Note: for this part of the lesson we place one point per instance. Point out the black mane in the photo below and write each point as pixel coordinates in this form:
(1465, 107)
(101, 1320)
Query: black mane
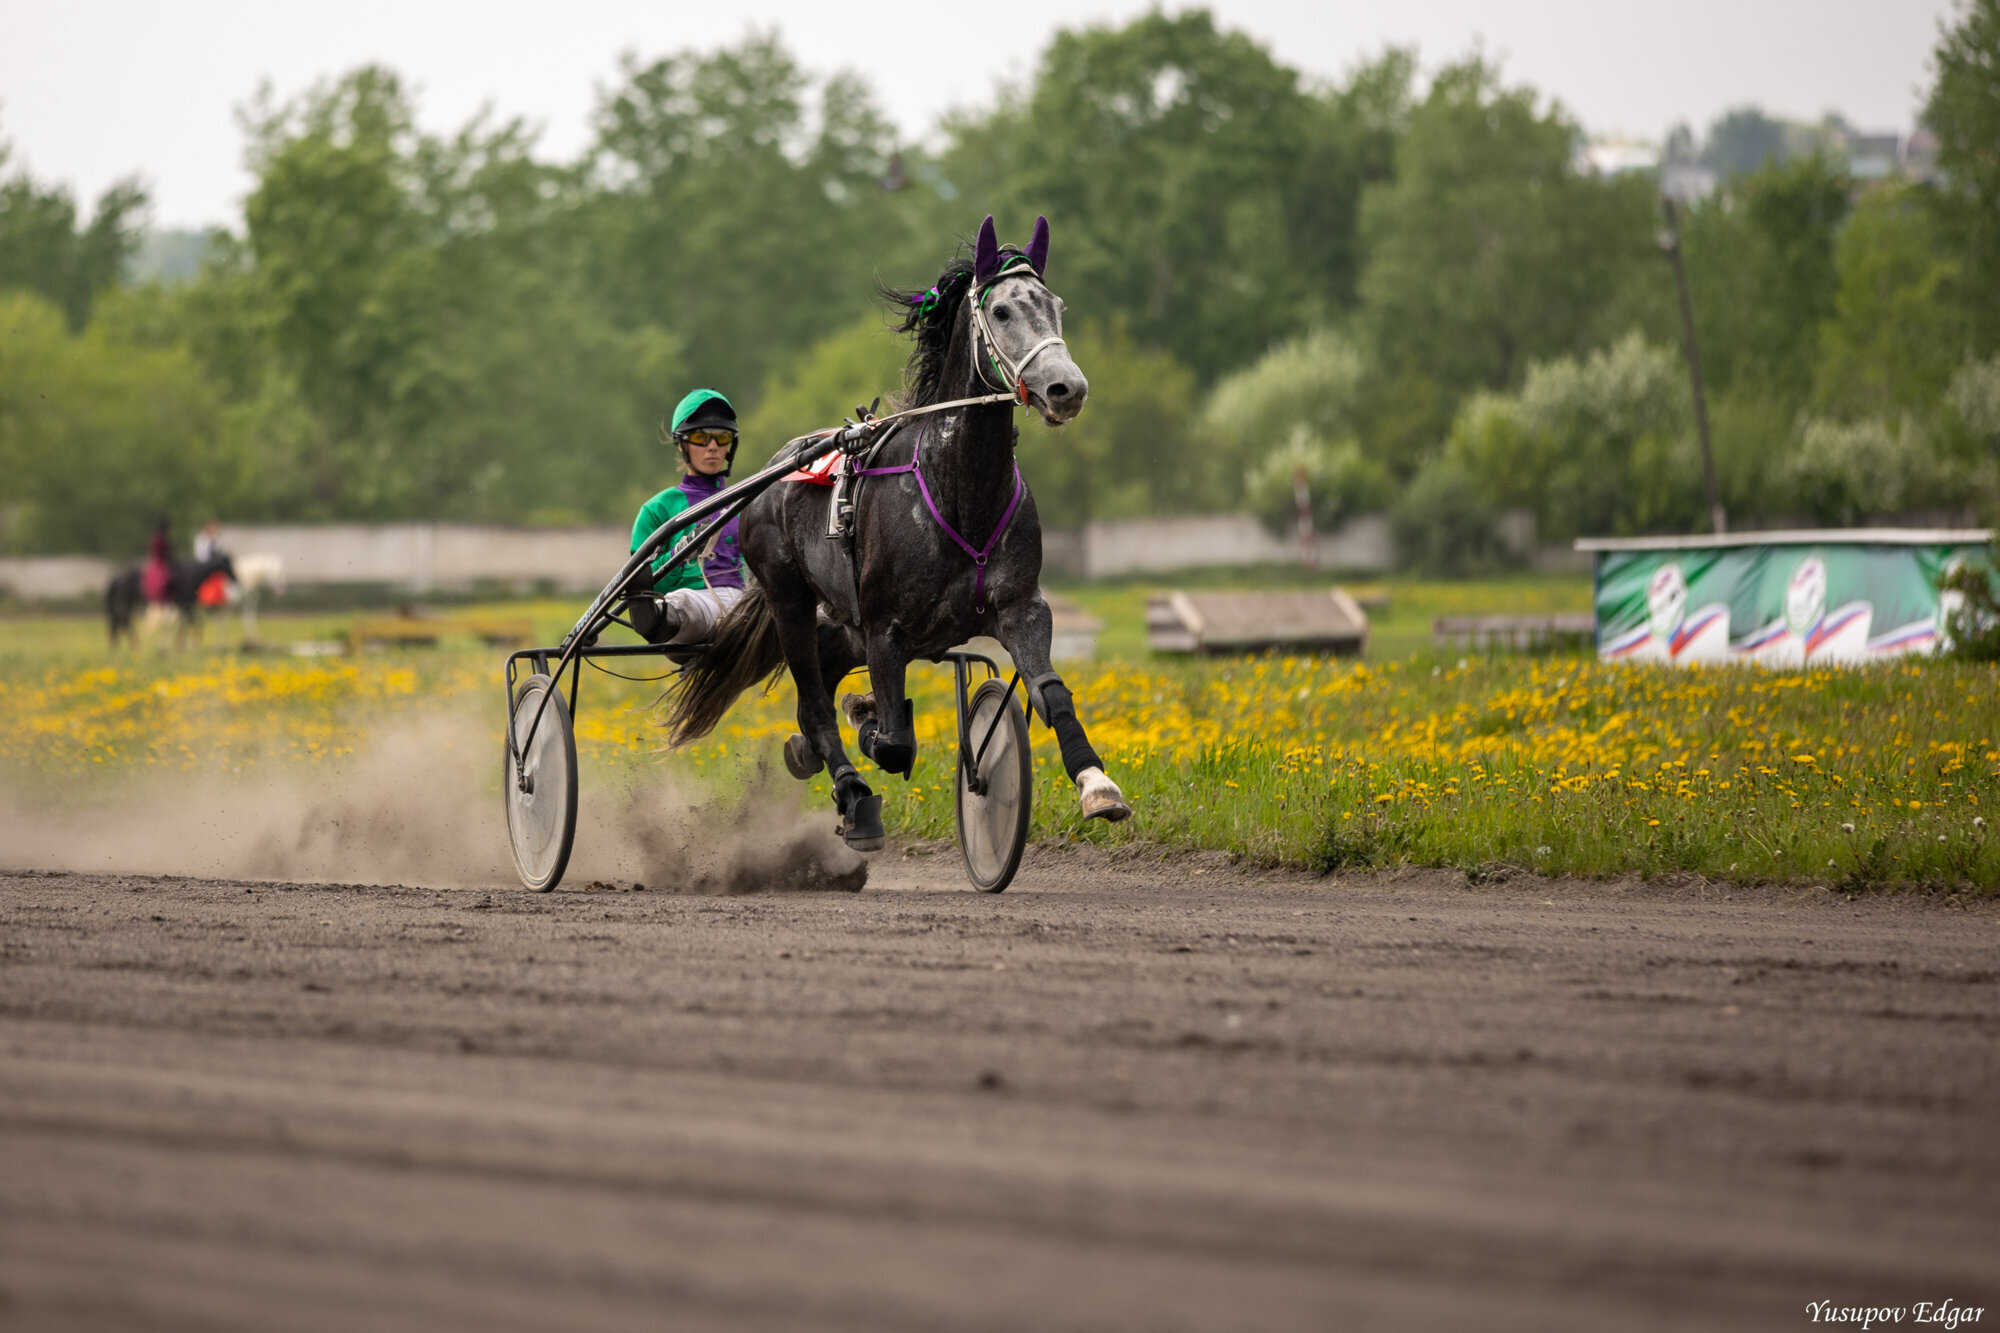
(931, 330)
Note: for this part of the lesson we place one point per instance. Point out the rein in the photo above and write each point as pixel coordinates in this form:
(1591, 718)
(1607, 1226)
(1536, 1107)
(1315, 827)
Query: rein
(859, 434)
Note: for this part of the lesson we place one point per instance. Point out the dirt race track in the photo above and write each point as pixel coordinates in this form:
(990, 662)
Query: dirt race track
(1134, 1094)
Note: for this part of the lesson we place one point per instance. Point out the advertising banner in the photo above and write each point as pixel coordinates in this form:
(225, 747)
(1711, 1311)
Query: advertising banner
(1775, 599)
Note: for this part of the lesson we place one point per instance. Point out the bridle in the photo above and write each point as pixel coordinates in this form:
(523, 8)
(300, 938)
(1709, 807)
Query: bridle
(986, 349)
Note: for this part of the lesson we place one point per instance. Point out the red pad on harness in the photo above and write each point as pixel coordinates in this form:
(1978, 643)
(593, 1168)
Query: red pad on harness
(821, 472)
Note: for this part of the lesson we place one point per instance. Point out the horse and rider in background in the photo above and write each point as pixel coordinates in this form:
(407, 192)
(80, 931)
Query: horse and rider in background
(164, 586)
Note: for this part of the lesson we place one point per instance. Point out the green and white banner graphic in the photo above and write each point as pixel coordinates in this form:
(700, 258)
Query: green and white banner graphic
(1777, 603)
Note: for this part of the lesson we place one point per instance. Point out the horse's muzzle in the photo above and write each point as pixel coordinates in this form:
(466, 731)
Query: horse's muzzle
(1060, 396)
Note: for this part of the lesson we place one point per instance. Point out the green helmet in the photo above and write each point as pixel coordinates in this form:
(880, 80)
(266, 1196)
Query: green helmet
(705, 407)
(691, 406)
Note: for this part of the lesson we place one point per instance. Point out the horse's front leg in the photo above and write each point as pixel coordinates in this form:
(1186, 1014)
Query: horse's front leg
(1025, 629)
(883, 726)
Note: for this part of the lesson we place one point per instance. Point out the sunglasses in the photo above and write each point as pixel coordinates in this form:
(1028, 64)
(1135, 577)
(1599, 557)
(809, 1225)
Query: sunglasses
(721, 439)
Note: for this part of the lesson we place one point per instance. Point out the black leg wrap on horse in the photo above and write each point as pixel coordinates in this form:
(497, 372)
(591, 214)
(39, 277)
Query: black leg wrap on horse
(1060, 714)
(860, 811)
(862, 828)
(1038, 704)
(847, 785)
(892, 751)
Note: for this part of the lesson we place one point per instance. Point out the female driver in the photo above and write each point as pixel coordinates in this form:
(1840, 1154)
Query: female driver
(686, 602)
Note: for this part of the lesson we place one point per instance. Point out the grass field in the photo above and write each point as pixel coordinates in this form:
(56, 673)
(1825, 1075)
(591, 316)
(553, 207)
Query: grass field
(1558, 763)
(1399, 611)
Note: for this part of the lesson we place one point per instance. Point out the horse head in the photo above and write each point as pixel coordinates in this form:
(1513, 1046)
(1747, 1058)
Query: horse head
(1023, 320)
(261, 570)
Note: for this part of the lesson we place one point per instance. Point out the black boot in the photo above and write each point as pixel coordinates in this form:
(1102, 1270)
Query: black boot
(651, 615)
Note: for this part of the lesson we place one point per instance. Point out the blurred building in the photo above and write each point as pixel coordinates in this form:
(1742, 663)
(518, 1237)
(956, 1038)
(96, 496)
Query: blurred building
(1616, 155)
(1682, 176)
(1688, 173)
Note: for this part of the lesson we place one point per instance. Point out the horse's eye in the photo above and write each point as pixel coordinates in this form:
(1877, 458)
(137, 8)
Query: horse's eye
(1002, 313)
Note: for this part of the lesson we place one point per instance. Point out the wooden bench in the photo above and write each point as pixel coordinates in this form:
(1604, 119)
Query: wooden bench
(397, 632)
(496, 632)
(1514, 633)
(422, 632)
(1246, 622)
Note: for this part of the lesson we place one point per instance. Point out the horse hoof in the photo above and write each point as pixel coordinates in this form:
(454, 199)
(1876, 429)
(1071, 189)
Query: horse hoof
(801, 760)
(1100, 797)
(862, 828)
(859, 708)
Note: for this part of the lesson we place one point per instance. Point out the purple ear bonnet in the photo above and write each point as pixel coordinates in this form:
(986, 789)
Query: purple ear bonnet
(985, 252)
(1038, 248)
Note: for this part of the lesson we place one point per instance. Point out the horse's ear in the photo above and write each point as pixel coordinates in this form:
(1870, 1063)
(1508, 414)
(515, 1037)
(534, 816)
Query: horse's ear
(1038, 248)
(985, 252)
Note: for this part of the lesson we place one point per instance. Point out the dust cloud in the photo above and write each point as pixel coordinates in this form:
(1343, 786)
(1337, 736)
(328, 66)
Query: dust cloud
(421, 805)
(752, 844)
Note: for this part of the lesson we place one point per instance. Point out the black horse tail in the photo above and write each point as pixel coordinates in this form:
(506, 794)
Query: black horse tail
(745, 650)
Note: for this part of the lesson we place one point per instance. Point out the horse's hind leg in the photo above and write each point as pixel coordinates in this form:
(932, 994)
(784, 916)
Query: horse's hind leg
(839, 654)
(795, 609)
(882, 722)
(1025, 630)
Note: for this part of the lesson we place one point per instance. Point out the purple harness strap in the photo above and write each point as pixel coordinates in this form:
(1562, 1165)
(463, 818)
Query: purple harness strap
(978, 555)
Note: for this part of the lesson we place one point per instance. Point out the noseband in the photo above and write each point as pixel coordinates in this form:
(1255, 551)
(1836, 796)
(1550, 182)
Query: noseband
(986, 349)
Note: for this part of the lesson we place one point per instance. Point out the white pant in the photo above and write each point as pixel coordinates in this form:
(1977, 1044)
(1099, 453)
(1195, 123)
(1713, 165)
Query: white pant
(698, 610)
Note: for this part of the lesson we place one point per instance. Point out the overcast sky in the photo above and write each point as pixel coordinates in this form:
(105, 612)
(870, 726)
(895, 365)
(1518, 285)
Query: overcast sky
(94, 89)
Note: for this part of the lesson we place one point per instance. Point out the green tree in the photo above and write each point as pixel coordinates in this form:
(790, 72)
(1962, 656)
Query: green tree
(1351, 136)
(1842, 473)
(336, 241)
(1975, 396)
(429, 298)
(1194, 186)
(43, 249)
(1762, 273)
(1752, 433)
(824, 384)
(1594, 445)
(1744, 140)
(1488, 251)
(97, 442)
(1964, 112)
(1341, 482)
(1895, 337)
(1444, 525)
(1312, 381)
(733, 210)
(1130, 452)
(1295, 407)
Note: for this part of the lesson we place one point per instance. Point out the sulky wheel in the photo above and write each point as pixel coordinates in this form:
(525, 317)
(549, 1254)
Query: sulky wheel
(541, 821)
(993, 810)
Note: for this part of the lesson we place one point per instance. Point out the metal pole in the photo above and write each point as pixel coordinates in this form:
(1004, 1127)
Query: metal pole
(1670, 241)
(1302, 501)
